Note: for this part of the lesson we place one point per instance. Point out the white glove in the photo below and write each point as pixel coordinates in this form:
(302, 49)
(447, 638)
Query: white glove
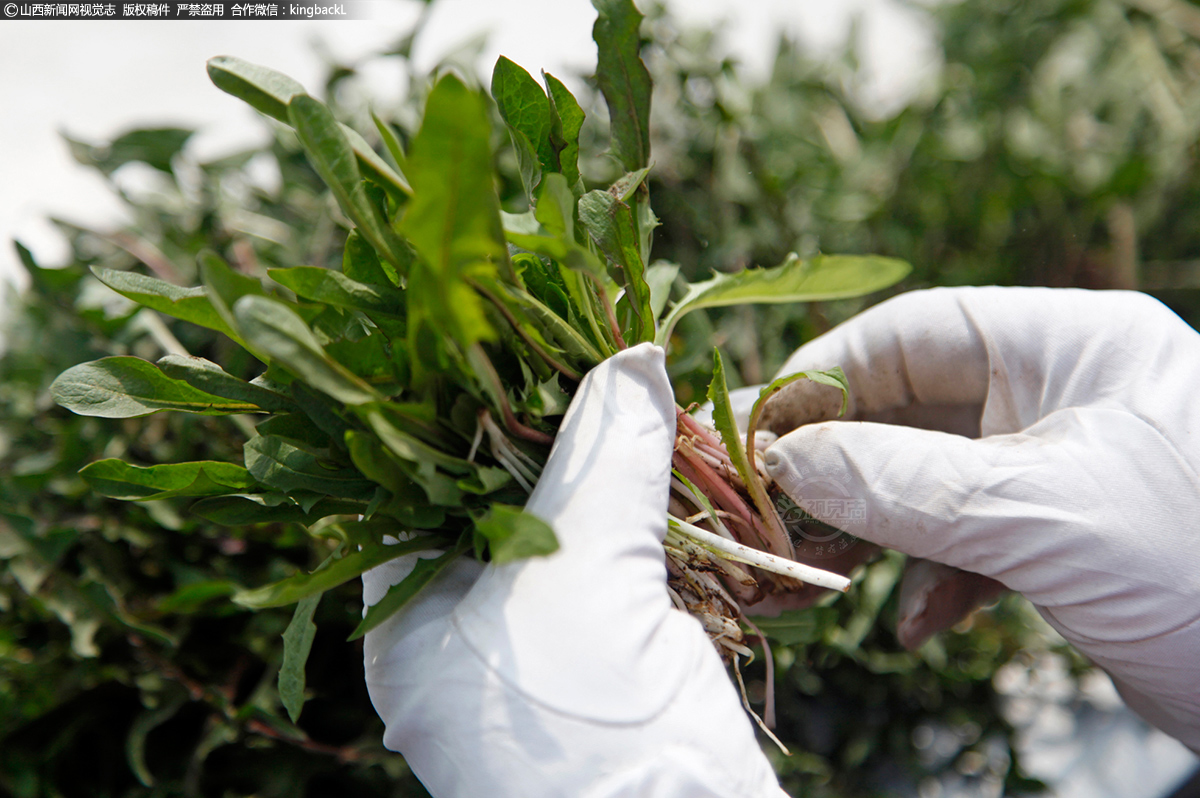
(1083, 492)
(570, 675)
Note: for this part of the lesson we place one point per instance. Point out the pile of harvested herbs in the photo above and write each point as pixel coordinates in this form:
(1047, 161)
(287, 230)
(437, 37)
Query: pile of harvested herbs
(418, 389)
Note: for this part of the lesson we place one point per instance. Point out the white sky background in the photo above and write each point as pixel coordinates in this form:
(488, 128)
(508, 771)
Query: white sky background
(95, 80)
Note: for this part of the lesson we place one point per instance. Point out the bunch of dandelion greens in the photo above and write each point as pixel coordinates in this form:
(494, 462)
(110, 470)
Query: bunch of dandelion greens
(419, 388)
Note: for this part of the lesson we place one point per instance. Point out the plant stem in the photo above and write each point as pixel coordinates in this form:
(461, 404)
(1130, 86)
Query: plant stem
(561, 368)
(610, 314)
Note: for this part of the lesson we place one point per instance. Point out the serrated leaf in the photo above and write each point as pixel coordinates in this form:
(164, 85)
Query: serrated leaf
(349, 566)
(514, 534)
(297, 643)
(624, 80)
(795, 280)
(282, 465)
(453, 221)
(611, 224)
(187, 304)
(554, 232)
(567, 120)
(424, 571)
(526, 112)
(273, 328)
(207, 376)
(120, 480)
(331, 154)
(335, 288)
(127, 387)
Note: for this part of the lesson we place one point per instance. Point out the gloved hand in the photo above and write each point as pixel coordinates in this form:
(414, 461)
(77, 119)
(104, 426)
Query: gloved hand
(1082, 491)
(570, 675)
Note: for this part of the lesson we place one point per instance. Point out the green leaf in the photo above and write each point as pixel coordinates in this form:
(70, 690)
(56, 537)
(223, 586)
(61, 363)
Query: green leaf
(552, 326)
(555, 236)
(269, 509)
(835, 378)
(189, 598)
(271, 92)
(611, 224)
(567, 120)
(361, 263)
(297, 642)
(350, 565)
(799, 627)
(120, 480)
(224, 287)
(332, 155)
(276, 330)
(335, 288)
(624, 80)
(795, 280)
(661, 277)
(211, 378)
(282, 465)
(155, 147)
(263, 89)
(397, 434)
(723, 419)
(453, 220)
(410, 505)
(126, 387)
(514, 534)
(375, 168)
(399, 594)
(526, 111)
(390, 140)
(187, 304)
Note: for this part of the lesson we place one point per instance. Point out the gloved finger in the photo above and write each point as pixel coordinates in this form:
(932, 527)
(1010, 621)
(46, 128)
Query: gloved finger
(935, 597)
(1043, 512)
(946, 357)
(598, 605)
(897, 354)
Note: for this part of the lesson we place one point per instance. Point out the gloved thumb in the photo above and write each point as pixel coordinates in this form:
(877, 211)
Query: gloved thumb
(1007, 506)
(598, 605)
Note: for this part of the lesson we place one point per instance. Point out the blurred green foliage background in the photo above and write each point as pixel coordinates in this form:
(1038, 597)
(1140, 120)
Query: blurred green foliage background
(1056, 147)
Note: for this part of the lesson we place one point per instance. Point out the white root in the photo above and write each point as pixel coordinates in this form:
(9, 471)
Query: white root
(759, 559)
(523, 468)
(476, 440)
(746, 703)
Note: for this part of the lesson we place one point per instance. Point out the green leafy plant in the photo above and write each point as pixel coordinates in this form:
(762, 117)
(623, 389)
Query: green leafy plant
(415, 392)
